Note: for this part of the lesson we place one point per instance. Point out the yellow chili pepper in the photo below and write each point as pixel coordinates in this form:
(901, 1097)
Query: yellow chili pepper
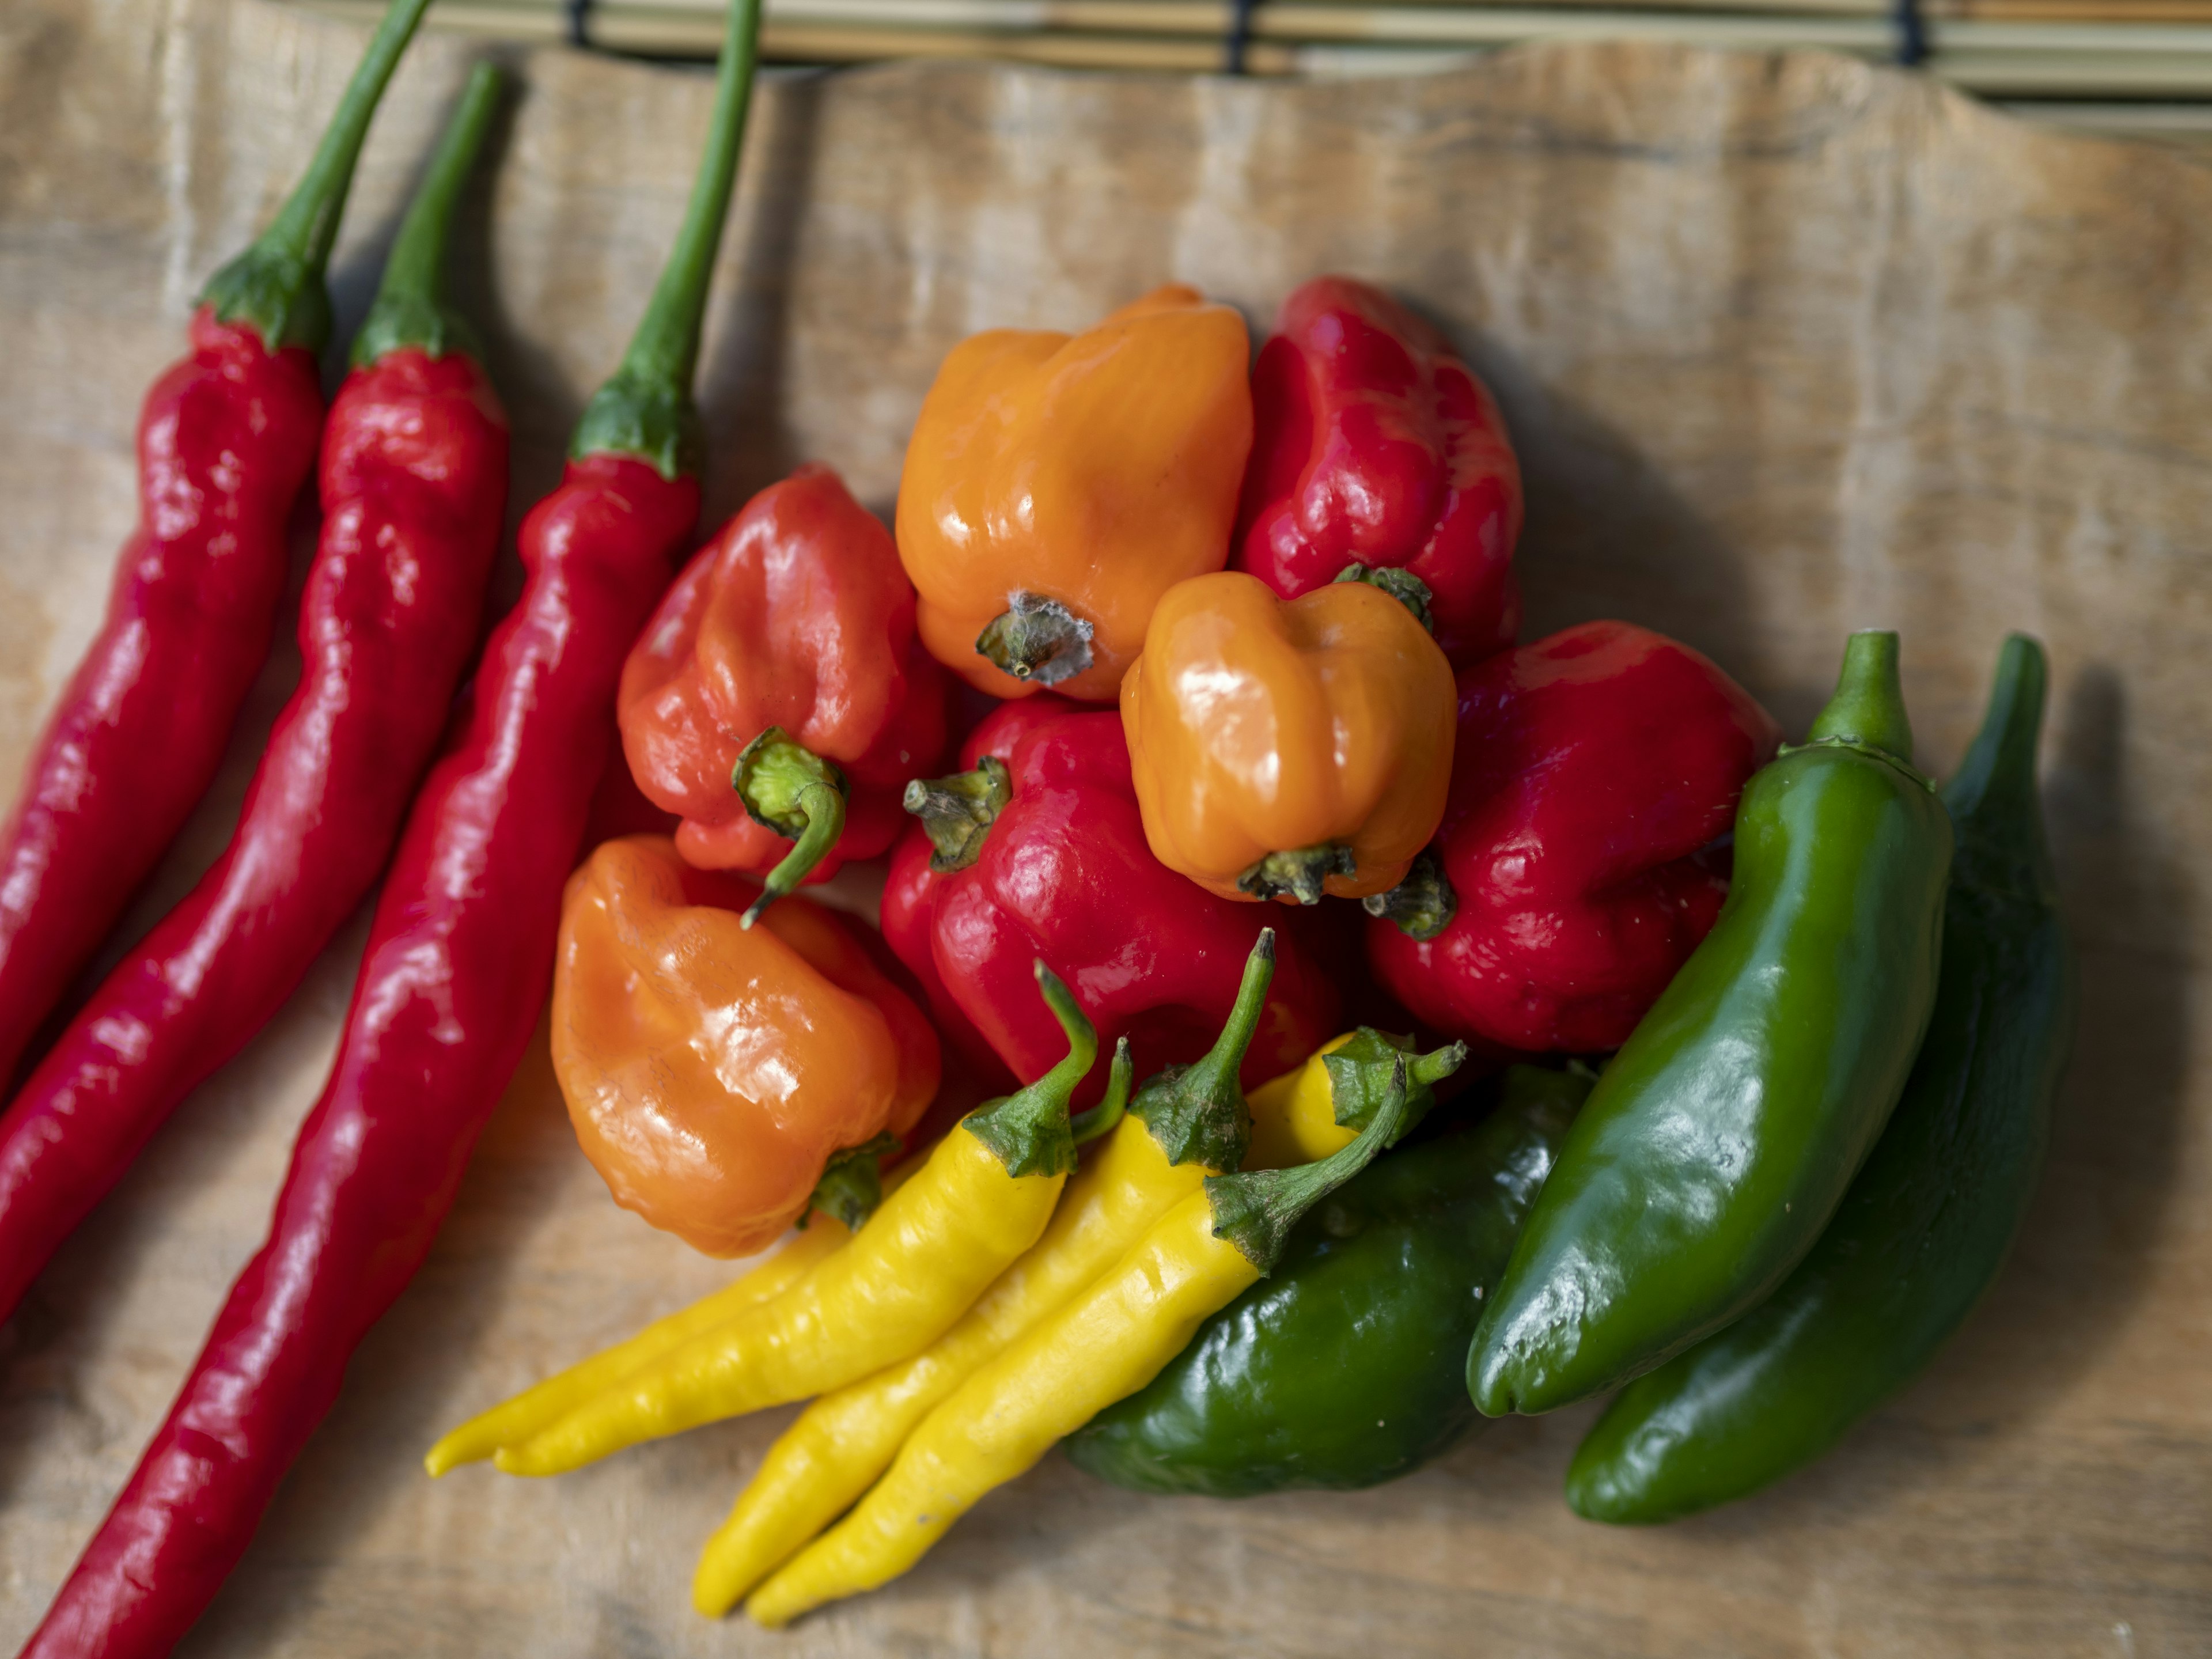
(842, 1442)
(1109, 1341)
(1320, 1108)
(981, 1198)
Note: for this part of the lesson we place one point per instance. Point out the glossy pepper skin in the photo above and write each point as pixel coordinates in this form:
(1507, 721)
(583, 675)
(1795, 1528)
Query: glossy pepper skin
(712, 1071)
(1927, 1225)
(1057, 867)
(1374, 444)
(1387, 1278)
(226, 441)
(979, 1199)
(414, 493)
(1721, 1138)
(1106, 1342)
(1288, 748)
(1056, 485)
(796, 617)
(1593, 773)
(459, 953)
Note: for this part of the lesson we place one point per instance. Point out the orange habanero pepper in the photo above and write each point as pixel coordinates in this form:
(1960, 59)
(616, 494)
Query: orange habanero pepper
(712, 1071)
(1056, 485)
(1283, 749)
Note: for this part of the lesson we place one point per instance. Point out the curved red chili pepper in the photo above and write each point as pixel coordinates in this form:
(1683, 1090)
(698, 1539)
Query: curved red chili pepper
(1061, 870)
(459, 959)
(787, 651)
(1594, 771)
(226, 441)
(1374, 444)
(414, 493)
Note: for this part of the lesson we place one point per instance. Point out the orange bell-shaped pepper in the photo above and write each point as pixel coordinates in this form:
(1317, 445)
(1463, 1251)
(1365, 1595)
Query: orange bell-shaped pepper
(1284, 749)
(1056, 485)
(714, 1072)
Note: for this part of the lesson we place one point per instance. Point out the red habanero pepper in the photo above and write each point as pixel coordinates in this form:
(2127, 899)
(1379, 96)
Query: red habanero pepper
(779, 700)
(459, 956)
(1037, 852)
(226, 441)
(1375, 446)
(414, 490)
(1575, 869)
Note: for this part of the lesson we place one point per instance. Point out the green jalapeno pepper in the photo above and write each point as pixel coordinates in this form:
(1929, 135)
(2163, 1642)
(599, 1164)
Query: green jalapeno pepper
(1723, 1135)
(1926, 1224)
(1345, 1368)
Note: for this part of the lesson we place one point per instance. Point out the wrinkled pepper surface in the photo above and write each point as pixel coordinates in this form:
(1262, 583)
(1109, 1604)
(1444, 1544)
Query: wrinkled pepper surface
(1038, 851)
(1721, 1137)
(1576, 870)
(1374, 444)
(779, 699)
(1928, 1223)
(1387, 1279)
(1283, 749)
(1056, 485)
(711, 1070)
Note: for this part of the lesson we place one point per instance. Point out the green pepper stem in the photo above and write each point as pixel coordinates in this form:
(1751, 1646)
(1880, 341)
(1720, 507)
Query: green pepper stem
(1027, 1131)
(1087, 1126)
(1992, 796)
(787, 789)
(1359, 1073)
(852, 1183)
(1423, 903)
(1402, 586)
(1868, 710)
(645, 410)
(275, 286)
(1255, 1210)
(958, 812)
(1198, 1114)
(409, 308)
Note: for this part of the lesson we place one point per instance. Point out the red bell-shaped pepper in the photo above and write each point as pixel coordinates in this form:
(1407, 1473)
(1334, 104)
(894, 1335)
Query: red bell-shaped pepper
(1578, 864)
(1037, 851)
(779, 700)
(1373, 446)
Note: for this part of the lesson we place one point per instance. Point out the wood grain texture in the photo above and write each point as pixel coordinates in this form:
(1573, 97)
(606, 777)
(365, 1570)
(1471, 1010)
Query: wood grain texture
(1790, 346)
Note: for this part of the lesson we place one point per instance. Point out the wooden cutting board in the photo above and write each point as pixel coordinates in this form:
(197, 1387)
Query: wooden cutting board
(1790, 346)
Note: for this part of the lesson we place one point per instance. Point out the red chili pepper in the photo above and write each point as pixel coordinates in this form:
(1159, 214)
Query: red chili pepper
(1375, 446)
(459, 956)
(1038, 852)
(1593, 774)
(779, 700)
(414, 490)
(226, 441)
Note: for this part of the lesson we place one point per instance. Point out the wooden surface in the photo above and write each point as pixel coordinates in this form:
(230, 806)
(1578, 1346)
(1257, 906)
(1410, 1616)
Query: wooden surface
(1788, 345)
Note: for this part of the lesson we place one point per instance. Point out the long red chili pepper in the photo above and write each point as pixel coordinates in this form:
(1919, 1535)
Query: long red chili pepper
(459, 956)
(414, 490)
(226, 440)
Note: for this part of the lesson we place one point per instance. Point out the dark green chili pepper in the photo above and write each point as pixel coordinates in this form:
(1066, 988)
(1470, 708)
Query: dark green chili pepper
(1345, 1368)
(1926, 1224)
(1723, 1136)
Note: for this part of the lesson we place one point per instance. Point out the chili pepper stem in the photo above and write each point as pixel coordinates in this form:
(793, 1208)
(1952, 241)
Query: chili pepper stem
(1299, 872)
(409, 308)
(1086, 1127)
(851, 1184)
(1359, 1073)
(645, 410)
(1198, 1113)
(958, 812)
(1028, 1131)
(277, 285)
(1255, 1210)
(788, 788)
(1423, 904)
(1402, 586)
(1868, 709)
(1038, 639)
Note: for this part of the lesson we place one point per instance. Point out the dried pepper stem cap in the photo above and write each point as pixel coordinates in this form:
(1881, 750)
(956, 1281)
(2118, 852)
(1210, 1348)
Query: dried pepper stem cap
(1198, 1114)
(1037, 639)
(277, 285)
(1029, 1130)
(645, 410)
(788, 788)
(1255, 1210)
(958, 812)
(409, 308)
(1423, 904)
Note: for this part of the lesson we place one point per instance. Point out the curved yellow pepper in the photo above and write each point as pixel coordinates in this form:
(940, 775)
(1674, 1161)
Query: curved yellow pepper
(1108, 1342)
(980, 1198)
(1289, 747)
(1056, 485)
(842, 1442)
(1294, 1115)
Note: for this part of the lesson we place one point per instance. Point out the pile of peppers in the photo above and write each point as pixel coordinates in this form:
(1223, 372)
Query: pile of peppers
(1382, 1021)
